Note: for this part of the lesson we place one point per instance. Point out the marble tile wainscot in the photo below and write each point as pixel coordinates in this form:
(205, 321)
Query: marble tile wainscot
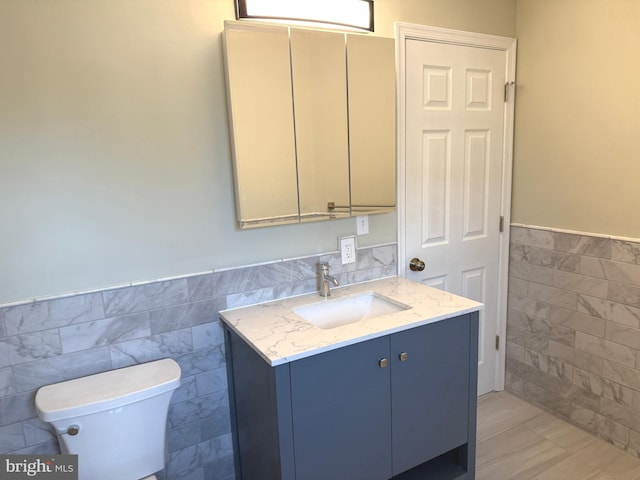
(573, 329)
(53, 340)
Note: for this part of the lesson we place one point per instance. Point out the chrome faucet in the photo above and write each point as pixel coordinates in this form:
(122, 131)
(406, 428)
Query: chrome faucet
(325, 278)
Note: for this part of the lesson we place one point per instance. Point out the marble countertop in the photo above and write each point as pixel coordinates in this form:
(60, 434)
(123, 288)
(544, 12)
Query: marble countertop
(280, 336)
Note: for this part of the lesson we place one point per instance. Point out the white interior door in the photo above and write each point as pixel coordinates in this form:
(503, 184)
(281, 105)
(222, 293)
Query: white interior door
(454, 176)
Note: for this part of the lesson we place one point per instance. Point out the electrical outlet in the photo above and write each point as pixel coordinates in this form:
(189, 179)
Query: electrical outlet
(348, 249)
(362, 224)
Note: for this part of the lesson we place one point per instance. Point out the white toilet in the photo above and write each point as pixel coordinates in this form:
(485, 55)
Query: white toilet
(116, 421)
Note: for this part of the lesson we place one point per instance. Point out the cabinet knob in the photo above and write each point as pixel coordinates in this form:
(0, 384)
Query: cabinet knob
(383, 362)
(404, 356)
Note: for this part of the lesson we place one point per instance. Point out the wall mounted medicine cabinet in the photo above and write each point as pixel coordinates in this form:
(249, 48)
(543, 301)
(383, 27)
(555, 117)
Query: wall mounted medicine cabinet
(312, 120)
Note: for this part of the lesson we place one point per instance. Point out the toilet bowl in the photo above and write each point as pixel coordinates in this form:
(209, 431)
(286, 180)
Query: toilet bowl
(116, 421)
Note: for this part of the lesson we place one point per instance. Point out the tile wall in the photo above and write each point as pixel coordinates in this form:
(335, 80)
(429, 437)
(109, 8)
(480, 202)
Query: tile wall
(573, 330)
(49, 341)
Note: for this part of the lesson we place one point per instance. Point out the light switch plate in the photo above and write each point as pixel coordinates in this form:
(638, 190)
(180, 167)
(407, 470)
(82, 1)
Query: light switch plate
(362, 224)
(347, 249)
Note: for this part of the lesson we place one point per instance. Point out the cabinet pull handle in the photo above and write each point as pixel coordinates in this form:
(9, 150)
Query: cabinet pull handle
(404, 356)
(383, 362)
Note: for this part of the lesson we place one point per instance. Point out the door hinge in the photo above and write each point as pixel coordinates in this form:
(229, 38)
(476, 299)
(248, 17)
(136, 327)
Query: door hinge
(506, 90)
(497, 342)
(501, 228)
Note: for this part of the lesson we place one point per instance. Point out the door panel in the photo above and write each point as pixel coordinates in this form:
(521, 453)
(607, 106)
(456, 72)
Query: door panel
(476, 179)
(435, 199)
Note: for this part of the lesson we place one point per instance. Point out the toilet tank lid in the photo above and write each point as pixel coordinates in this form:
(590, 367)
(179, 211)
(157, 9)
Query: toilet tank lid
(105, 391)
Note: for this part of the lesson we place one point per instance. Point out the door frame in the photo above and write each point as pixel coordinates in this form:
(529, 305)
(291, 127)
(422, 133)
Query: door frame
(407, 31)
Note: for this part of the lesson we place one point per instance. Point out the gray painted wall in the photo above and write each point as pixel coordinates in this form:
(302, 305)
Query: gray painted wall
(114, 142)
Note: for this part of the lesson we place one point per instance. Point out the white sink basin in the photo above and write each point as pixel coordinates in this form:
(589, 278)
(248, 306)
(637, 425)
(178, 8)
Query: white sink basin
(332, 313)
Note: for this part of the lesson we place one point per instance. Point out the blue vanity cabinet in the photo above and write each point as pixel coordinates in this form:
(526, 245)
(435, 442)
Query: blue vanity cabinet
(399, 407)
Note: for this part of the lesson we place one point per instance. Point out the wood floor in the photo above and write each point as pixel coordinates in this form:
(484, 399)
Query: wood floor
(517, 441)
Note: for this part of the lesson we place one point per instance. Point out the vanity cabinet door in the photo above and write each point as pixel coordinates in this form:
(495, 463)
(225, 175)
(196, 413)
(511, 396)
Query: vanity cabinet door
(430, 386)
(341, 404)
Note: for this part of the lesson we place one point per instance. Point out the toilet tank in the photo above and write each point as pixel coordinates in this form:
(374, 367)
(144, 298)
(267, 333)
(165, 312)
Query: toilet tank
(120, 417)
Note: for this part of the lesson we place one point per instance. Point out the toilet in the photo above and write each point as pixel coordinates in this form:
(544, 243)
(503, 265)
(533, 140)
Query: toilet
(116, 421)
